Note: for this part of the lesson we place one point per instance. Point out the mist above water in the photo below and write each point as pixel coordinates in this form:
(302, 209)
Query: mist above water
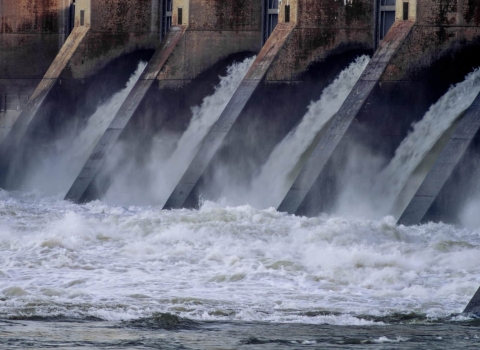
(171, 154)
(216, 263)
(278, 173)
(56, 170)
(416, 146)
(395, 185)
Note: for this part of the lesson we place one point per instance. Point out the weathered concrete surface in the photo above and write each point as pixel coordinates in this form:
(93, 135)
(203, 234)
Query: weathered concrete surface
(125, 113)
(323, 28)
(342, 120)
(16, 134)
(213, 140)
(473, 306)
(444, 166)
(411, 82)
(215, 30)
(31, 35)
(117, 27)
(320, 29)
(33, 31)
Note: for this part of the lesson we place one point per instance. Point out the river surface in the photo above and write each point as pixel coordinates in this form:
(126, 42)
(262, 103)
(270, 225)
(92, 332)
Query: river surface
(100, 276)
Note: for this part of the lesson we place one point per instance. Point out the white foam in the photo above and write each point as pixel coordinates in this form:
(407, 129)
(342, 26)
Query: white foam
(220, 263)
(382, 340)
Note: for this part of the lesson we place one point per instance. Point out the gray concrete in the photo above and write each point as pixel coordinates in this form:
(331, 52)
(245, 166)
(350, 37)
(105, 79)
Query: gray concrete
(234, 108)
(444, 166)
(127, 110)
(342, 120)
(13, 139)
(473, 306)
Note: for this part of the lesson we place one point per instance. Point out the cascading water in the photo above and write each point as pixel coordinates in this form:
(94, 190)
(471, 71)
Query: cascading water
(243, 264)
(426, 133)
(71, 151)
(275, 178)
(165, 170)
(101, 276)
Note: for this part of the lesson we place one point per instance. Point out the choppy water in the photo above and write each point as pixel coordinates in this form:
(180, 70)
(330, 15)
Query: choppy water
(100, 276)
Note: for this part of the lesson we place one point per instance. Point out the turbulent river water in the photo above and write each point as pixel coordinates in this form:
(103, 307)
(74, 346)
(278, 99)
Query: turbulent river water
(101, 276)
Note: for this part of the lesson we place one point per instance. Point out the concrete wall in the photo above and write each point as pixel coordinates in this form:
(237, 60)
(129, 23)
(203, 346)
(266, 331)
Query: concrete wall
(429, 61)
(31, 34)
(117, 27)
(33, 31)
(323, 38)
(216, 29)
(323, 28)
(210, 31)
(442, 27)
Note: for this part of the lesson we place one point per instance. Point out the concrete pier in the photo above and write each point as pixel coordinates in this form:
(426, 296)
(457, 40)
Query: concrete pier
(315, 31)
(213, 140)
(103, 30)
(15, 137)
(127, 110)
(344, 117)
(473, 306)
(428, 59)
(205, 38)
(444, 166)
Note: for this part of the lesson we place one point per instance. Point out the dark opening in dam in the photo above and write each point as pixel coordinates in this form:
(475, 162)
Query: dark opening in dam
(239, 173)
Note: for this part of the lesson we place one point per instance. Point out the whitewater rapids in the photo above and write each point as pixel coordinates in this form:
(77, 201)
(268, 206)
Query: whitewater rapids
(225, 263)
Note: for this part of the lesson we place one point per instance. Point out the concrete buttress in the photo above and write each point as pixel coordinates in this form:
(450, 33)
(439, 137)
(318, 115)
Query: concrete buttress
(126, 112)
(205, 38)
(344, 117)
(315, 32)
(444, 166)
(213, 140)
(20, 127)
(473, 306)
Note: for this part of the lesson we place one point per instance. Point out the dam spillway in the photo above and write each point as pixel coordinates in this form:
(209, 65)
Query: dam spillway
(239, 173)
(300, 47)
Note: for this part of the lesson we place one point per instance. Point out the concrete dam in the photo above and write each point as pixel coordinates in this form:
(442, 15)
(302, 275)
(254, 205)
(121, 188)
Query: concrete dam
(366, 108)
(240, 174)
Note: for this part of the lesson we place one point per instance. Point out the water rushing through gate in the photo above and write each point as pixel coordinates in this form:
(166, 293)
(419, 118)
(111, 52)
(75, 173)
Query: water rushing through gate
(372, 189)
(100, 275)
(57, 169)
(278, 173)
(417, 145)
(163, 170)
